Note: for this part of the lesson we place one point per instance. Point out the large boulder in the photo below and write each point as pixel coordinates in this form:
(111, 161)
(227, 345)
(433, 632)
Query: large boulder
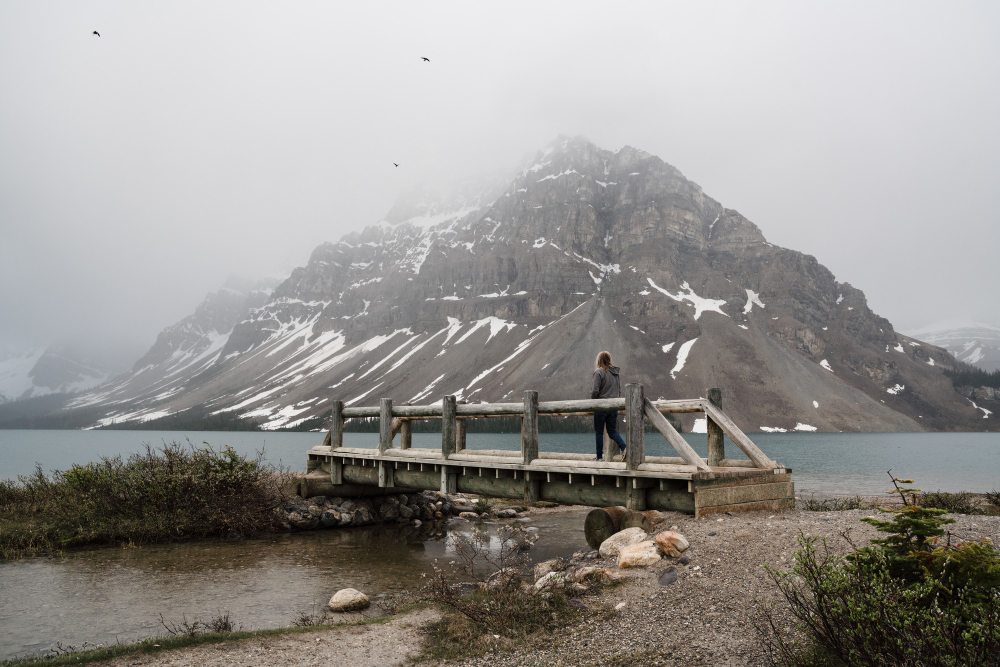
(614, 544)
(349, 599)
(671, 543)
(642, 554)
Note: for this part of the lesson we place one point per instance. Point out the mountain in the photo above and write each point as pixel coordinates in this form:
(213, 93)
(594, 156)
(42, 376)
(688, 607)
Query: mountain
(182, 353)
(502, 285)
(47, 370)
(972, 342)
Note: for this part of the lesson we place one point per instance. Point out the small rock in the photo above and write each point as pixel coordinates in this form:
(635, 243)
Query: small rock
(347, 506)
(578, 588)
(549, 581)
(458, 509)
(672, 543)
(578, 574)
(642, 554)
(349, 599)
(554, 565)
(668, 576)
(518, 508)
(545, 503)
(712, 534)
(524, 519)
(417, 523)
(300, 522)
(330, 518)
(507, 514)
(577, 603)
(685, 559)
(472, 516)
(619, 606)
(614, 544)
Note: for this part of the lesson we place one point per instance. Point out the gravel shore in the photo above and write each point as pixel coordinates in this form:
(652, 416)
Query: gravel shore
(704, 618)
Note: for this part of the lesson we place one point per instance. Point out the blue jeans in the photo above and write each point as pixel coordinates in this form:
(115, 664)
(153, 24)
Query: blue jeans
(606, 420)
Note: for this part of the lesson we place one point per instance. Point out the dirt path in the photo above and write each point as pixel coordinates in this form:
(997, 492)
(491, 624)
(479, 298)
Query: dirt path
(392, 643)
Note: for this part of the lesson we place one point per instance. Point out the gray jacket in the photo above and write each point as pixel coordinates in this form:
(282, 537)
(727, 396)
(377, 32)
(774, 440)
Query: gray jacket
(606, 383)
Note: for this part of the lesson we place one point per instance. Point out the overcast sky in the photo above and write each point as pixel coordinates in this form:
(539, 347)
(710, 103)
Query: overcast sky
(191, 141)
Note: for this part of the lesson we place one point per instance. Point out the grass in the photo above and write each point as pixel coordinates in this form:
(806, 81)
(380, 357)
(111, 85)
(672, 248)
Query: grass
(837, 504)
(171, 494)
(70, 655)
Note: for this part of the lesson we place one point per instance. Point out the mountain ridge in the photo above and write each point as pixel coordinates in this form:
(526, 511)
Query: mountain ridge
(519, 283)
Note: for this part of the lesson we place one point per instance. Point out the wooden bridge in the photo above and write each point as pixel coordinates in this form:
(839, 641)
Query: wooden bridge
(686, 483)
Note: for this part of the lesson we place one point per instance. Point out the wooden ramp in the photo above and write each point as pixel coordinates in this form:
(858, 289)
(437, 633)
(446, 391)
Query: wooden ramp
(686, 483)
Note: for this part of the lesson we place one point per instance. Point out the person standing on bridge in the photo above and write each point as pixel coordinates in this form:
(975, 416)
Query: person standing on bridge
(606, 385)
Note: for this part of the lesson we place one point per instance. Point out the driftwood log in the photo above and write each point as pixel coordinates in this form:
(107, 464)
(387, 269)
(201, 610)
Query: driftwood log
(603, 522)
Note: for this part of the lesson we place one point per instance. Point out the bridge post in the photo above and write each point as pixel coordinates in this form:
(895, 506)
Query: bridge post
(405, 432)
(529, 427)
(385, 425)
(531, 485)
(337, 425)
(716, 438)
(634, 437)
(448, 419)
(635, 455)
(460, 431)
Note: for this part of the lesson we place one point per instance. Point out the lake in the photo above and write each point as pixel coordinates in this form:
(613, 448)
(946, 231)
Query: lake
(822, 463)
(104, 595)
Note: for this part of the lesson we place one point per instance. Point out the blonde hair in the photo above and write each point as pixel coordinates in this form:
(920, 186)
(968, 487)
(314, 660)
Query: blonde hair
(604, 360)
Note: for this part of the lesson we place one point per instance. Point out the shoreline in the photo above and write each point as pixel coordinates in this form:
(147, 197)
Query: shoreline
(704, 617)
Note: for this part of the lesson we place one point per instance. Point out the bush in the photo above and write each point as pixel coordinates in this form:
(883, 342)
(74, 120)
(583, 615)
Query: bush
(483, 590)
(174, 493)
(954, 503)
(911, 598)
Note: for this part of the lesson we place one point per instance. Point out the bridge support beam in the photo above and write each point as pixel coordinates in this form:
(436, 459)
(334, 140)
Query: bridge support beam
(716, 438)
(529, 427)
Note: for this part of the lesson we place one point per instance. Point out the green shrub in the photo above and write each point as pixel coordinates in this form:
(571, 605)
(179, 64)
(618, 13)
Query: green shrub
(173, 493)
(911, 598)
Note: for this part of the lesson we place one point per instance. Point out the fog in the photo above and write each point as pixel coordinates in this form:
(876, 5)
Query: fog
(192, 141)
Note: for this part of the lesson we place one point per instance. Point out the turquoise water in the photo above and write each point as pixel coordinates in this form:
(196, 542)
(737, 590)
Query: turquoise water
(823, 463)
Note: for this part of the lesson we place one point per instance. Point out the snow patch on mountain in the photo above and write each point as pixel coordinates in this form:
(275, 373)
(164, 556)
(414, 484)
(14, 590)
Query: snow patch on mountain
(700, 304)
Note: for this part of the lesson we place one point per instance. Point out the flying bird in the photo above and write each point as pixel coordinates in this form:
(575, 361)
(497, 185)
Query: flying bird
(394, 164)
(426, 60)
(97, 33)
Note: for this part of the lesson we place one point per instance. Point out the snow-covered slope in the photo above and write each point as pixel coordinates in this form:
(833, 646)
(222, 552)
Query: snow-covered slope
(972, 342)
(517, 283)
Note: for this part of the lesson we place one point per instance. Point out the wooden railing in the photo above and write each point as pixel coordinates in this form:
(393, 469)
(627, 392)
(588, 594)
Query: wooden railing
(395, 419)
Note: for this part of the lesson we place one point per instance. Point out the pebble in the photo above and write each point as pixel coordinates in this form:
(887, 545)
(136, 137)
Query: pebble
(668, 576)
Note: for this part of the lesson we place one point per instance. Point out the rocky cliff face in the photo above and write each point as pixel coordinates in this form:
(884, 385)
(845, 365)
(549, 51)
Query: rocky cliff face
(516, 284)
